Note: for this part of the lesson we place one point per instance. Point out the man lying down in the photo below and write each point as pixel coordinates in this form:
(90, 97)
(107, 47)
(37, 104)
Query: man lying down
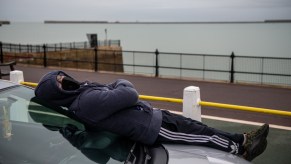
(116, 108)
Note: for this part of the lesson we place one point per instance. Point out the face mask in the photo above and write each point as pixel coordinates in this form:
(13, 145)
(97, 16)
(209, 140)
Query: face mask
(70, 84)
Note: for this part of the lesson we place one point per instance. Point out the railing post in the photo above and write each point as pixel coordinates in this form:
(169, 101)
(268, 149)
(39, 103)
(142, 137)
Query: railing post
(191, 99)
(232, 68)
(19, 48)
(96, 59)
(44, 56)
(157, 63)
(1, 53)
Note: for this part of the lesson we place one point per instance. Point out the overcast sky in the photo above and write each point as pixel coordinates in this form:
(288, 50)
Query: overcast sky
(145, 10)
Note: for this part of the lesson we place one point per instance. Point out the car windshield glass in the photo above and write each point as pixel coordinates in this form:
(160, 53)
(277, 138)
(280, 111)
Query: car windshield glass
(21, 105)
(33, 133)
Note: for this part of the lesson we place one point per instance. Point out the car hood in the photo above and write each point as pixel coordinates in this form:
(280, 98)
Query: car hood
(198, 154)
(5, 84)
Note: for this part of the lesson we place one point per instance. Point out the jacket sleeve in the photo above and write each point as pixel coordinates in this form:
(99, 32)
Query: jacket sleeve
(98, 104)
(121, 82)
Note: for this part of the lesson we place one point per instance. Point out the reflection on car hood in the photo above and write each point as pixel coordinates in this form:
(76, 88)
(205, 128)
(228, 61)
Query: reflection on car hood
(5, 84)
(198, 154)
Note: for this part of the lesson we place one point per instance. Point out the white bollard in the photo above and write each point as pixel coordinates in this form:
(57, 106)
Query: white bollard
(16, 76)
(191, 99)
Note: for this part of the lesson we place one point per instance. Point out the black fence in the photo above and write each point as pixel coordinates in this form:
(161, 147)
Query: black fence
(228, 68)
(19, 48)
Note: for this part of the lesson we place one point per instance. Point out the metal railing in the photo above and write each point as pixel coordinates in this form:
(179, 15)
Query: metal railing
(228, 68)
(28, 48)
(220, 105)
(205, 103)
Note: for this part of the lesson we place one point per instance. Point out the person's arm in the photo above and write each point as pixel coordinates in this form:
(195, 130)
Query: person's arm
(101, 103)
(121, 82)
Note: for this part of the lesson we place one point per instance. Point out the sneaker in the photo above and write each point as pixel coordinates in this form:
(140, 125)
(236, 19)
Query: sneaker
(256, 142)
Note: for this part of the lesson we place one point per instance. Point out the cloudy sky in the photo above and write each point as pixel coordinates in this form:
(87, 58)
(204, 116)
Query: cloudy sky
(145, 10)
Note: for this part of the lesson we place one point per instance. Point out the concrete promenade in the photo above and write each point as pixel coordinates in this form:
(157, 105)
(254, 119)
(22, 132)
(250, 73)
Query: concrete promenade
(279, 140)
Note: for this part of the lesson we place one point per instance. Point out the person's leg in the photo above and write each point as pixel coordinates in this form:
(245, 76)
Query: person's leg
(179, 129)
(256, 142)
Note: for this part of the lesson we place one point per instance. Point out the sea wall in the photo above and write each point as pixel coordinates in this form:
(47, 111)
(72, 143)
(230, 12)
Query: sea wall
(103, 58)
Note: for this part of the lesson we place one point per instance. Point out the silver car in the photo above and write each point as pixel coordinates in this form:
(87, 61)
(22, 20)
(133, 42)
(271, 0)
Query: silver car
(33, 131)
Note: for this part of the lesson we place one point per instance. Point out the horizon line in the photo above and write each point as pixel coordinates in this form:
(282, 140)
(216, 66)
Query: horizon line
(165, 22)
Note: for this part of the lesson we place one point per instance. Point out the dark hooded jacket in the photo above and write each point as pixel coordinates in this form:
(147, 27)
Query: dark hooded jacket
(114, 107)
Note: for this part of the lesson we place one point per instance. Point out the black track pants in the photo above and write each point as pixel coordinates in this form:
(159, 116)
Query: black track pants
(178, 129)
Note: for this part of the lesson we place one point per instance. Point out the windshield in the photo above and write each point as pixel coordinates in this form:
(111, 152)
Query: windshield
(20, 105)
(33, 132)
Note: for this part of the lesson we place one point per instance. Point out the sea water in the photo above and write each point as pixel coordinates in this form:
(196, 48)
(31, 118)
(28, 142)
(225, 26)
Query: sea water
(244, 39)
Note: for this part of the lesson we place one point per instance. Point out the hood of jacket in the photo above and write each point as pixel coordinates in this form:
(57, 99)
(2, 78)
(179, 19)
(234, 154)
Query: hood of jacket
(49, 90)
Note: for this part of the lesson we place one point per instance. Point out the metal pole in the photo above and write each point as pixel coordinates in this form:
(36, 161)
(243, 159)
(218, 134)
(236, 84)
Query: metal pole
(44, 56)
(1, 52)
(19, 48)
(232, 68)
(96, 59)
(157, 63)
(106, 37)
(245, 108)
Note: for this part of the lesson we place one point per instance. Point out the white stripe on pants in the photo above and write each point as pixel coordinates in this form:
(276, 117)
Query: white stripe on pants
(192, 138)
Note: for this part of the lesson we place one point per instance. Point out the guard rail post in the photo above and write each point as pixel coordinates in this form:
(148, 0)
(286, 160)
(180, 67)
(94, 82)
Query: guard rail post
(95, 59)
(44, 55)
(232, 68)
(157, 63)
(1, 53)
(191, 106)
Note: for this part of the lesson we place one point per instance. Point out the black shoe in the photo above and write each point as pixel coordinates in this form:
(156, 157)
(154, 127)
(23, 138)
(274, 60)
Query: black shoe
(256, 142)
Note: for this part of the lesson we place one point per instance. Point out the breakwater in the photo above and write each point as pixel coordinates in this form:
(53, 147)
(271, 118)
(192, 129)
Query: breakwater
(101, 58)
